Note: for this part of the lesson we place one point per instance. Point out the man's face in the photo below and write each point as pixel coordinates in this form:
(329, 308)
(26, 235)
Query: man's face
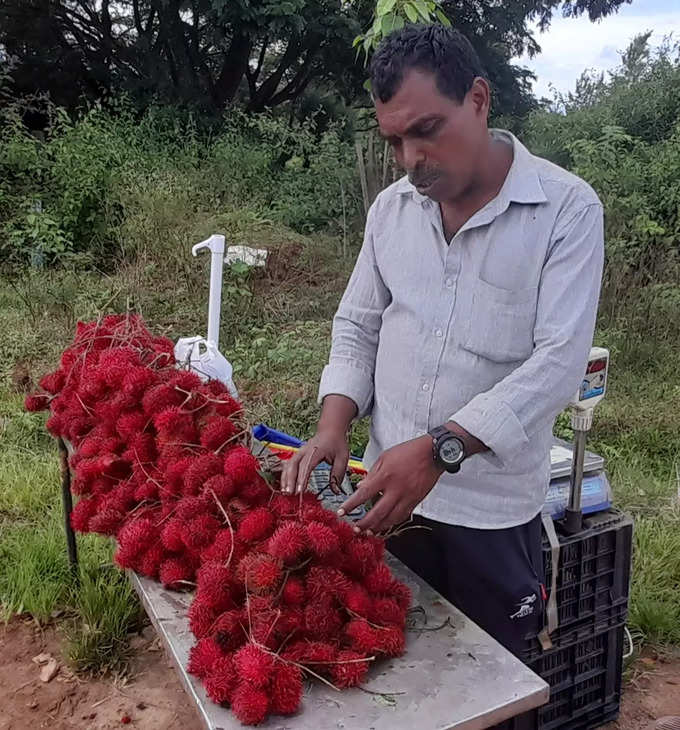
(434, 138)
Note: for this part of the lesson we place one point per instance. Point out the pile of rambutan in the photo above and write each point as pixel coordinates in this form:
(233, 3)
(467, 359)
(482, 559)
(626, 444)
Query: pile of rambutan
(284, 589)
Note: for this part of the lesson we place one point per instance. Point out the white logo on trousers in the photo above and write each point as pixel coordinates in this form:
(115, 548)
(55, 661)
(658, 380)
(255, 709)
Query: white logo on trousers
(526, 607)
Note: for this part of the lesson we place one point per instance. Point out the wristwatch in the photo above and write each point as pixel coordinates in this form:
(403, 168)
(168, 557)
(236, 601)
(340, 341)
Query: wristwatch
(448, 451)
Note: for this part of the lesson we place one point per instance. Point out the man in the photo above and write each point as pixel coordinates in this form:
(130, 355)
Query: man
(463, 332)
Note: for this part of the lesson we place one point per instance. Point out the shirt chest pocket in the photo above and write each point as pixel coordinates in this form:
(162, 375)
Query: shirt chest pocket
(501, 323)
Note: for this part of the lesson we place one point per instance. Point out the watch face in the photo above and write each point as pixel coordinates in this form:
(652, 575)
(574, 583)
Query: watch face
(451, 451)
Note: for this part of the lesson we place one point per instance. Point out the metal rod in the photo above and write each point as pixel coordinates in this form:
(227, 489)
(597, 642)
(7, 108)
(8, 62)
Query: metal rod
(67, 502)
(573, 514)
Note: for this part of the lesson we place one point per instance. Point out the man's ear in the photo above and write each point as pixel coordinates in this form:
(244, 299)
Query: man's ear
(480, 96)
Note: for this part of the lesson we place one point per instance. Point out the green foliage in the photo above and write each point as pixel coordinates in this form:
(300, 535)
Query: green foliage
(622, 135)
(112, 183)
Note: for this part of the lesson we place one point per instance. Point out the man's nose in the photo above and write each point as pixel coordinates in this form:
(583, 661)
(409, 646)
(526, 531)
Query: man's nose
(412, 155)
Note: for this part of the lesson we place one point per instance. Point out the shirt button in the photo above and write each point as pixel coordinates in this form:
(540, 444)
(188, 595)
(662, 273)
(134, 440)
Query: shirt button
(449, 283)
(438, 333)
(426, 386)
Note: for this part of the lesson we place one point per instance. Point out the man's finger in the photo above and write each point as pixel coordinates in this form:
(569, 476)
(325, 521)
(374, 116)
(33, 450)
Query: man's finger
(377, 514)
(368, 488)
(290, 472)
(398, 515)
(312, 458)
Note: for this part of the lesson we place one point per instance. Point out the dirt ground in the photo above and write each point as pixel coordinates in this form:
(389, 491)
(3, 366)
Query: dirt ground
(150, 696)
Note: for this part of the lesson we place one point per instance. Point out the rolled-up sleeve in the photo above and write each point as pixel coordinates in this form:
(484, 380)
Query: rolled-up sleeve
(506, 416)
(356, 328)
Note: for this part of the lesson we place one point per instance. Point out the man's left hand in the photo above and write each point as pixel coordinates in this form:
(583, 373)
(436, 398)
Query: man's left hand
(403, 475)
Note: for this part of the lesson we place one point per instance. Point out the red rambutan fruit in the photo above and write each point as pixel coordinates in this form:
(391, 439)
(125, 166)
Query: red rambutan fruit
(261, 573)
(106, 521)
(221, 680)
(203, 467)
(322, 539)
(285, 505)
(164, 348)
(254, 665)
(293, 593)
(171, 535)
(174, 474)
(38, 402)
(290, 621)
(131, 423)
(311, 652)
(288, 543)
(357, 600)
(401, 593)
(221, 547)
(256, 525)
(321, 581)
(201, 617)
(217, 432)
(147, 491)
(200, 531)
(161, 397)
(256, 492)
(249, 704)
(241, 465)
(175, 426)
(53, 382)
(222, 486)
(137, 380)
(386, 612)
(82, 513)
(286, 689)
(389, 641)
(189, 507)
(350, 669)
(173, 572)
(138, 534)
(360, 558)
(322, 619)
(122, 496)
(55, 425)
(141, 449)
(185, 379)
(379, 580)
(150, 561)
(203, 656)
(228, 630)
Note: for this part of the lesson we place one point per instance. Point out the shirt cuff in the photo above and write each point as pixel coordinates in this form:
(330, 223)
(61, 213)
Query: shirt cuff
(350, 380)
(495, 424)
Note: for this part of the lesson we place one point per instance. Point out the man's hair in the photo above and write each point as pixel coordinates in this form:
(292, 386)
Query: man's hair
(444, 52)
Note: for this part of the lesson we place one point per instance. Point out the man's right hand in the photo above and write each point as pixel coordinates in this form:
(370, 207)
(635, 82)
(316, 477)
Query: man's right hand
(329, 444)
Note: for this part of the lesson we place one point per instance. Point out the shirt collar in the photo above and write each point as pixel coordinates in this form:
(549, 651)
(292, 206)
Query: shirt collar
(522, 183)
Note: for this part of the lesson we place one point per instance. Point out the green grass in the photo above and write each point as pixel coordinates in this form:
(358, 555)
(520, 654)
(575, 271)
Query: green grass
(276, 330)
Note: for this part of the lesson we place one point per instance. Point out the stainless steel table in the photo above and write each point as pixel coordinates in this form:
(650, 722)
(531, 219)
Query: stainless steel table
(453, 675)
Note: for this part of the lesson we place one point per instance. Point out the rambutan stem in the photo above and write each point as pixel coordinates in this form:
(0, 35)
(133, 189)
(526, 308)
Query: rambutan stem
(231, 530)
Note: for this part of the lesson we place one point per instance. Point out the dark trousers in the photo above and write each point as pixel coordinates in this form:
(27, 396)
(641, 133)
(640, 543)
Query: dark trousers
(495, 577)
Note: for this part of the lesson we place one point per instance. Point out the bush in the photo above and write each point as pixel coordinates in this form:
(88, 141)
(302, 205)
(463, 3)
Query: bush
(110, 184)
(630, 152)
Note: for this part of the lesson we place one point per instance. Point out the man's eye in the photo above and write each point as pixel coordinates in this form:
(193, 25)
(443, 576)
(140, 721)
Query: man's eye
(427, 129)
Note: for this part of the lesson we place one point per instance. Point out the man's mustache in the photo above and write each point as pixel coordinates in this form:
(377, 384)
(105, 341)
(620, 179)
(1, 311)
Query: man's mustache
(420, 178)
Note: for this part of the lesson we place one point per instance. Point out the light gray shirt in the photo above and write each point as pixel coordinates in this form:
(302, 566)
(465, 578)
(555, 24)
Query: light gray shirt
(491, 330)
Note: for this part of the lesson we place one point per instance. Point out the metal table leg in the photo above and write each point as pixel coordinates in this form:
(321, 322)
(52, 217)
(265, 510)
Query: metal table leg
(68, 507)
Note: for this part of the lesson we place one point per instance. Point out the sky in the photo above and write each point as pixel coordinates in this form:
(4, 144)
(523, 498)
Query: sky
(571, 45)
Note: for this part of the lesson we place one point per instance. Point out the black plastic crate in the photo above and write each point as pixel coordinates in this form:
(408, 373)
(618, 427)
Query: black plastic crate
(584, 671)
(594, 569)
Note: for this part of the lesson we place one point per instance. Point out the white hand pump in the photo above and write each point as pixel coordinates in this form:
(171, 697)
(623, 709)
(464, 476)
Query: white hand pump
(215, 244)
(201, 354)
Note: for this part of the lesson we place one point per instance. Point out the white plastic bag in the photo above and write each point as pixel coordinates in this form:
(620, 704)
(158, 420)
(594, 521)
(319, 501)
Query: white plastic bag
(205, 360)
